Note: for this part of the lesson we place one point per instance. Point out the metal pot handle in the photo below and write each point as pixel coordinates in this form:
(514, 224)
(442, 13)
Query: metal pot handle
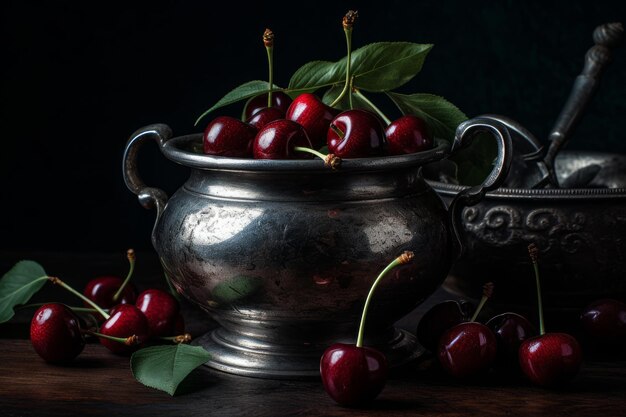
(149, 197)
(465, 134)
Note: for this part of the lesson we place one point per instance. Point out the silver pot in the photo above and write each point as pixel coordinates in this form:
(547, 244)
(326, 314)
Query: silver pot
(581, 234)
(282, 253)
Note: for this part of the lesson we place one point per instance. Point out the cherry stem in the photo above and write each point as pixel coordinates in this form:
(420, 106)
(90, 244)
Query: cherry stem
(77, 309)
(57, 281)
(128, 341)
(405, 258)
(487, 293)
(348, 22)
(130, 255)
(533, 251)
(329, 160)
(182, 338)
(268, 41)
(372, 106)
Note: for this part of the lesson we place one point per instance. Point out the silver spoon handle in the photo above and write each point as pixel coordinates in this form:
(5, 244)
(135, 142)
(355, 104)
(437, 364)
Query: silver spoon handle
(606, 37)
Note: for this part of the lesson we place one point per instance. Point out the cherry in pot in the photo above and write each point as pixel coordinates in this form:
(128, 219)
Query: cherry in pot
(408, 134)
(227, 136)
(280, 101)
(313, 115)
(278, 139)
(265, 116)
(55, 333)
(356, 134)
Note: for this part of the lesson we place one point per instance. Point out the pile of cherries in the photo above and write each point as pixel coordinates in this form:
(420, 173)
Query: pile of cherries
(282, 130)
(124, 320)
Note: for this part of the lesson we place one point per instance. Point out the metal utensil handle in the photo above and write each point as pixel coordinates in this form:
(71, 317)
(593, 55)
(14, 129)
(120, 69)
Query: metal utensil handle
(149, 197)
(465, 134)
(606, 37)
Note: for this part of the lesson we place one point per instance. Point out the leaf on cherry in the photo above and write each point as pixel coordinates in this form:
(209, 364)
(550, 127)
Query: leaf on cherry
(18, 285)
(376, 67)
(242, 92)
(165, 367)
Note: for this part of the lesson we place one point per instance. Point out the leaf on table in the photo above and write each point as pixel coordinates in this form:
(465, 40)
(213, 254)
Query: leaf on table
(18, 285)
(376, 67)
(165, 367)
(242, 92)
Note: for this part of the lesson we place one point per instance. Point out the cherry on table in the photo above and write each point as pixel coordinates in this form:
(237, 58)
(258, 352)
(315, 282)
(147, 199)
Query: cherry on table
(356, 134)
(408, 134)
(604, 324)
(313, 115)
(55, 333)
(161, 310)
(510, 329)
(227, 136)
(126, 322)
(102, 289)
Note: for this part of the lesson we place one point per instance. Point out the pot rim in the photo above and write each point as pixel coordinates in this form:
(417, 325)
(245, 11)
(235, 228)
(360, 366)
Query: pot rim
(451, 190)
(176, 150)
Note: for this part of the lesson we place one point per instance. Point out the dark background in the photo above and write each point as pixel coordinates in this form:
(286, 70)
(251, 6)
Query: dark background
(78, 79)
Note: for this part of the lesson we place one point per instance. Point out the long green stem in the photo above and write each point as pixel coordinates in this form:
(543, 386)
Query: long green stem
(130, 255)
(329, 160)
(487, 293)
(77, 309)
(405, 258)
(534, 255)
(348, 22)
(129, 341)
(57, 281)
(372, 106)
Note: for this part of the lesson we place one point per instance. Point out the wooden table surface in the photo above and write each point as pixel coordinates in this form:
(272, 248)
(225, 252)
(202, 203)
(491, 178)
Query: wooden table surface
(98, 383)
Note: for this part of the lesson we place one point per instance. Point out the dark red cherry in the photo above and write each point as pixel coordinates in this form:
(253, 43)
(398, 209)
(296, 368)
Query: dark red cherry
(126, 320)
(356, 134)
(510, 330)
(55, 333)
(604, 324)
(280, 101)
(101, 290)
(408, 134)
(266, 115)
(440, 318)
(353, 375)
(161, 309)
(278, 139)
(467, 349)
(550, 359)
(313, 115)
(227, 136)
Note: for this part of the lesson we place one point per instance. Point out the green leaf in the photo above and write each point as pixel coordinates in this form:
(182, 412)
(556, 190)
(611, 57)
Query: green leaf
(441, 116)
(376, 67)
(243, 92)
(18, 285)
(165, 367)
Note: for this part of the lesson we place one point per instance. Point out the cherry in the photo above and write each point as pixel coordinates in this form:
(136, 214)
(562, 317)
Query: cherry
(440, 318)
(470, 347)
(604, 324)
(266, 115)
(55, 333)
(126, 322)
(408, 134)
(227, 136)
(356, 134)
(161, 310)
(354, 374)
(102, 289)
(315, 116)
(510, 330)
(277, 140)
(280, 101)
(550, 358)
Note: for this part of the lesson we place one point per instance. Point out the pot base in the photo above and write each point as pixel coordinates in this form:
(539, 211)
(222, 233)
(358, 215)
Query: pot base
(261, 360)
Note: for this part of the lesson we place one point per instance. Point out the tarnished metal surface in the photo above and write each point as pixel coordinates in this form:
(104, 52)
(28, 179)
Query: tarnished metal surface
(282, 253)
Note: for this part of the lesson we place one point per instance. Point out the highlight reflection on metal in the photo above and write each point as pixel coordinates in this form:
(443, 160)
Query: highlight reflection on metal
(282, 253)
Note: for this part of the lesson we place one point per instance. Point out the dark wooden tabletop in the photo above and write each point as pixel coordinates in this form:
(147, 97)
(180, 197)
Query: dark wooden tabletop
(98, 383)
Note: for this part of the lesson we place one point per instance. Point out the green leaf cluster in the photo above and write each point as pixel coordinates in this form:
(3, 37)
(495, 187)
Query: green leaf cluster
(18, 285)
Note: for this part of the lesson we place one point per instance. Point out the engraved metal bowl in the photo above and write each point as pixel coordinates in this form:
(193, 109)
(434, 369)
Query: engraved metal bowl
(282, 253)
(581, 234)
